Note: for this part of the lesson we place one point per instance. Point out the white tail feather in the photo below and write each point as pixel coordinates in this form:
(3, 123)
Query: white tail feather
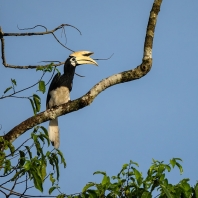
(54, 132)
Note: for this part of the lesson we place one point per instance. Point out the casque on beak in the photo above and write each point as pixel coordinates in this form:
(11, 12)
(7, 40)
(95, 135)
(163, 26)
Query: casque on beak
(83, 57)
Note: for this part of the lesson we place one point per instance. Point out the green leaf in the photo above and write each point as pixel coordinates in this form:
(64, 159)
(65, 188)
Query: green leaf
(137, 173)
(62, 196)
(180, 167)
(11, 147)
(161, 168)
(33, 107)
(43, 171)
(196, 190)
(179, 159)
(29, 152)
(44, 130)
(49, 67)
(54, 161)
(52, 189)
(99, 172)
(146, 195)
(173, 162)
(7, 166)
(22, 158)
(131, 162)
(166, 192)
(57, 71)
(138, 176)
(7, 89)
(42, 86)
(41, 137)
(37, 180)
(124, 166)
(27, 165)
(62, 158)
(162, 177)
(92, 194)
(105, 180)
(168, 168)
(52, 178)
(14, 81)
(44, 135)
(88, 186)
(37, 102)
(39, 68)
(47, 154)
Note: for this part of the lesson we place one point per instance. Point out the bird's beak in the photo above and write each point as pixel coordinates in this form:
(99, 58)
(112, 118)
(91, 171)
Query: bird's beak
(83, 57)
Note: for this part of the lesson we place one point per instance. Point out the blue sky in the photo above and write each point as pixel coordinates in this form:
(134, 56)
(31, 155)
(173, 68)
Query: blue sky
(154, 117)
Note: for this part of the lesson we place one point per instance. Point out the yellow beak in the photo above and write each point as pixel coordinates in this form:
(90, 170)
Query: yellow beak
(83, 57)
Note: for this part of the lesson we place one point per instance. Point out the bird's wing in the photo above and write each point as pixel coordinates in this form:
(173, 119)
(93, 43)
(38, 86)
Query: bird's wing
(58, 81)
(54, 84)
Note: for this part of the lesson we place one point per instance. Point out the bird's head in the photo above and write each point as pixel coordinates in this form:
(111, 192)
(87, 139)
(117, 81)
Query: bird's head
(81, 58)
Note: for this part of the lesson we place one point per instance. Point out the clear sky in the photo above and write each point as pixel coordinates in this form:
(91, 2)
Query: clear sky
(153, 117)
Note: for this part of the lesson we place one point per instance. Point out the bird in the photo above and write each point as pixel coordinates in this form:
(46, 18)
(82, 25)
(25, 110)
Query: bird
(60, 88)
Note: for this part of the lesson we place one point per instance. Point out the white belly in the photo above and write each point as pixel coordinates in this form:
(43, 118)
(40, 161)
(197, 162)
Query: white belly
(59, 96)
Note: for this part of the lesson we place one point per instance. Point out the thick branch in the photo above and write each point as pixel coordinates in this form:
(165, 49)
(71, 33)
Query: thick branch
(88, 98)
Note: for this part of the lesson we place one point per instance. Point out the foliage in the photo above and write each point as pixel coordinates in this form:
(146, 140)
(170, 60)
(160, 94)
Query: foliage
(129, 182)
(27, 164)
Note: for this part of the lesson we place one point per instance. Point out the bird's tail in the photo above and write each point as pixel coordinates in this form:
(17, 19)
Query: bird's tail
(54, 132)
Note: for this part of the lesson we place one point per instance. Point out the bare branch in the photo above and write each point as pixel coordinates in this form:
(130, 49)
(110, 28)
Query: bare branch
(104, 58)
(2, 34)
(3, 193)
(79, 75)
(32, 27)
(13, 186)
(17, 66)
(40, 33)
(30, 66)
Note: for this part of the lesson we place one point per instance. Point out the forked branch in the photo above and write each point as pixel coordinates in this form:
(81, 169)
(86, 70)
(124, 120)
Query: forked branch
(2, 35)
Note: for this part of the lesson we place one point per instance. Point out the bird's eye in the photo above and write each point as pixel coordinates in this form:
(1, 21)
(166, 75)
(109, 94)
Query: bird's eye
(73, 59)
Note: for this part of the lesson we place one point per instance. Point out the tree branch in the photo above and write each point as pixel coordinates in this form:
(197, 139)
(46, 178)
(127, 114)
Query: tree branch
(2, 34)
(88, 98)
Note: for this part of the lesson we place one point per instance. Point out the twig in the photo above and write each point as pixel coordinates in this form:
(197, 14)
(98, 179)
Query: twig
(51, 76)
(13, 186)
(3, 193)
(23, 89)
(61, 43)
(23, 97)
(25, 196)
(40, 33)
(26, 187)
(79, 75)
(18, 147)
(32, 27)
(104, 58)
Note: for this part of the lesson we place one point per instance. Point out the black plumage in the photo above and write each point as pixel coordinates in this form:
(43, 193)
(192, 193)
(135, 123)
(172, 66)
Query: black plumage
(60, 87)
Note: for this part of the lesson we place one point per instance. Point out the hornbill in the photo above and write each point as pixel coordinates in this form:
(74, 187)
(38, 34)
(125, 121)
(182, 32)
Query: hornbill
(60, 87)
